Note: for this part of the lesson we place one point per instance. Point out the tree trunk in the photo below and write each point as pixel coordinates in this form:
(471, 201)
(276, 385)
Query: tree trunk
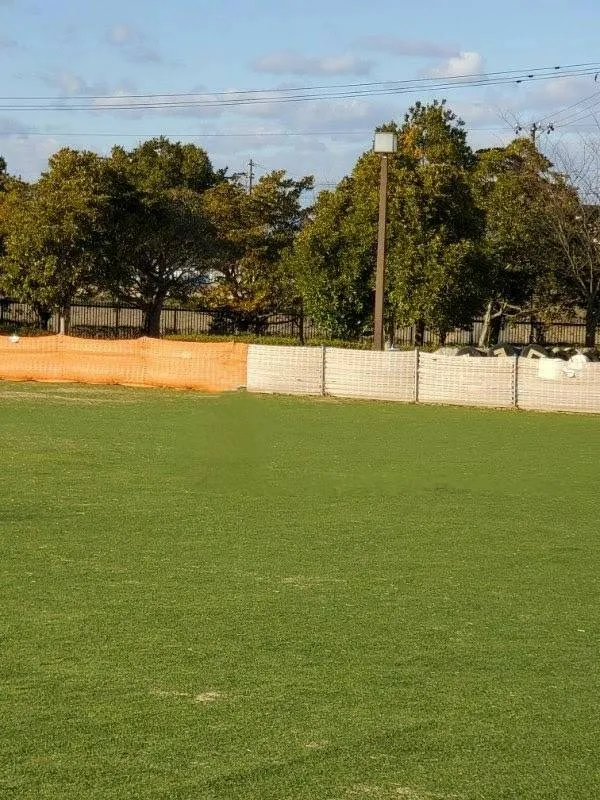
(151, 323)
(495, 329)
(484, 336)
(539, 333)
(44, 315)
(419, 333)
(391, 334)
(64, 320)
(591, 323)
(301, 322)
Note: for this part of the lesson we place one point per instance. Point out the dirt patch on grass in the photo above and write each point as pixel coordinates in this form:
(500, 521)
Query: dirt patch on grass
(90, 394)
(70, 396)
(201, 697)
(316, 745)
(395, 793)
(207, 697)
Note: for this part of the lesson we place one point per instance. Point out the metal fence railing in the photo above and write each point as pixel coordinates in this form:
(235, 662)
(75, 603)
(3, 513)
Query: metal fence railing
(105, 320)
(109, 320)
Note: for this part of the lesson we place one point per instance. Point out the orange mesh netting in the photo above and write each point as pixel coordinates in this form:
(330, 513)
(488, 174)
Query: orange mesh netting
(151, 362)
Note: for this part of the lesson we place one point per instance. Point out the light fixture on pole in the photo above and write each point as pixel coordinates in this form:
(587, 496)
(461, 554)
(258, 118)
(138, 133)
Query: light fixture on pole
(385, 143)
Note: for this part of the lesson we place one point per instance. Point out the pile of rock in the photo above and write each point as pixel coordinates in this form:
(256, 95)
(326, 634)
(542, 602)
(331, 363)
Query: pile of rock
(582, 354)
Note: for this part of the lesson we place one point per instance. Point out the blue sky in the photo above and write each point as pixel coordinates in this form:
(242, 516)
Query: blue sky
(92, 55)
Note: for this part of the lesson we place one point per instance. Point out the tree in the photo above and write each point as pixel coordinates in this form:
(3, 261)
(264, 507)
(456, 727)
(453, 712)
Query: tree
(334, 255)
(54, 231)
(574, 231)
(513, 185)
(161, 248)
(433, 264)
(253, 230)
(158, 165)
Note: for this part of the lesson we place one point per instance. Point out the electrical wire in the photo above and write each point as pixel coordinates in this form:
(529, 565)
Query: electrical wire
(130, 103)
(528, 72)
(554, 116)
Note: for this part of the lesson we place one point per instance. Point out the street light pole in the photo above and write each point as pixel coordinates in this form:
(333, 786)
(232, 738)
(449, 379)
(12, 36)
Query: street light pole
(385, 143)
(380, 270)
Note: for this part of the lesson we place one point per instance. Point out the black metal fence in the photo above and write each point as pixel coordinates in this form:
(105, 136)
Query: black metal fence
(105, 320)
(521, 332)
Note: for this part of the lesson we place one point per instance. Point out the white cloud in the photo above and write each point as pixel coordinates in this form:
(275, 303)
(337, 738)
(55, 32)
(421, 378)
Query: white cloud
(561, 91)
(120, 102)
(133, 44)
(70, 84)
(66, 82)
(290, 63)
(407, 47)
(121, 34)
(27, 156)
(464, 64)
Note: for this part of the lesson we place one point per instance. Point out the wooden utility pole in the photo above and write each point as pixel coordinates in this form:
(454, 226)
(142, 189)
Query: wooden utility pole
(251, 166)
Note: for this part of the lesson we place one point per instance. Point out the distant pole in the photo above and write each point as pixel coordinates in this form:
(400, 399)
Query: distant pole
(533, 131)
(537, 128)
(385, 143)
(380, 271)
(251, 166)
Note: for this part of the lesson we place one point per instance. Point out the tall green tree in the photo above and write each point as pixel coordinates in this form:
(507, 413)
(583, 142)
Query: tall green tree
(162, 247)
(54, 231)
(252, 232)
(333, 257)
(573, 230)
(434, 268)
(513, 185)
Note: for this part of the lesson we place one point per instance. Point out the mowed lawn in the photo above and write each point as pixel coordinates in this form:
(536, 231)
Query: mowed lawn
(273, 598)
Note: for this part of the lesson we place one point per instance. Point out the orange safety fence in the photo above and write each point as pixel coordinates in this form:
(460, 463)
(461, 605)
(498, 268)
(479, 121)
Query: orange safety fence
(146, 362)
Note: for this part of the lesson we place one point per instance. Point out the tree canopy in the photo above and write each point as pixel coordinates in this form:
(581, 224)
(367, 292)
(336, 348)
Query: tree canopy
(54, 231)
(499, 232)
(433, 264)
(160, 248)
(252, 231)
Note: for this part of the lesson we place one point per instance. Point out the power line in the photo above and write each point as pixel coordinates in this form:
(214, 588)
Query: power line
(568, 116)
(342, 91)
(555, 115)
(580, 114)
(528, 72)
(195, 134)
(245, 134)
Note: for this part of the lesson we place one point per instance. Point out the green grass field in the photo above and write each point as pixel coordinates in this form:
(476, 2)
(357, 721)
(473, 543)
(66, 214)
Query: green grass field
(272, 598)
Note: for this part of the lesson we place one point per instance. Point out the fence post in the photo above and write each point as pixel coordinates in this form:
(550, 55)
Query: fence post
(417, 362)
(323, 356)
(516, 382)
